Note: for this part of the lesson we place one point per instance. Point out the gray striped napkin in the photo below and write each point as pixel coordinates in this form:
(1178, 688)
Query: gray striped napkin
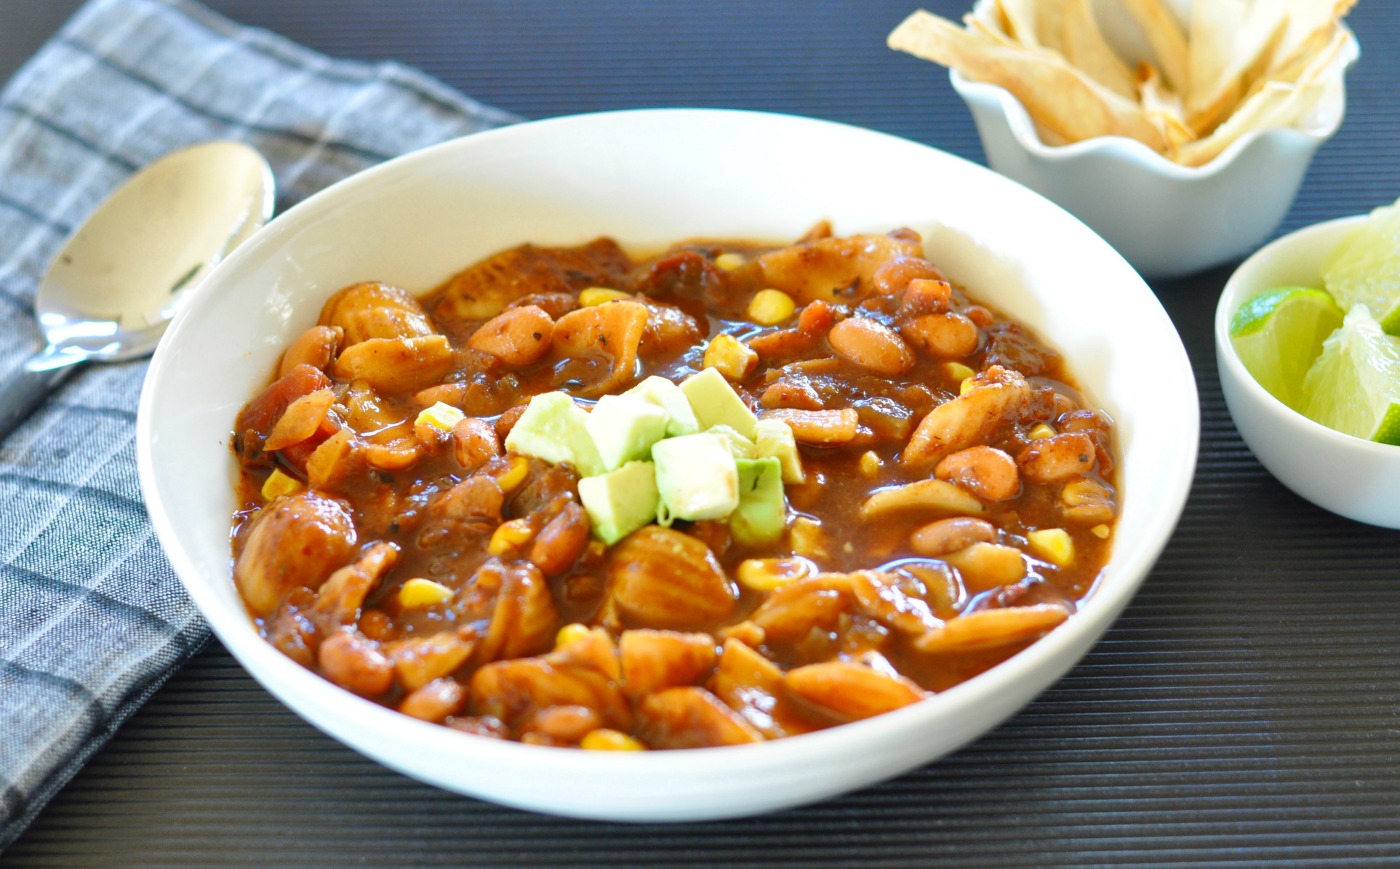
(92, 618)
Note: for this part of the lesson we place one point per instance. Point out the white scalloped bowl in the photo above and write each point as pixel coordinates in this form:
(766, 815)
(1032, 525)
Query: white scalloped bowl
(1346, 475)
(649, 178)
(1166, 219)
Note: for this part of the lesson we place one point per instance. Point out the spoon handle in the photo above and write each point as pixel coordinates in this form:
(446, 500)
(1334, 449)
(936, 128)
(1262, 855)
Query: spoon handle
(26, 389)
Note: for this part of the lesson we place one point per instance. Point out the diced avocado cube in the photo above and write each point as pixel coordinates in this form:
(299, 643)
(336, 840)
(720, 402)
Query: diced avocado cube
(775, 439)
(623, 429)
(716, 403)
(621, 501)
(668, 396)
(555, 429)
(740, 446)
(762, 512)
(696, 477)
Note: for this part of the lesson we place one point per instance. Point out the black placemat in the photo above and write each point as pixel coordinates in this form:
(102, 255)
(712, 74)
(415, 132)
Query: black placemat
(1246, 708)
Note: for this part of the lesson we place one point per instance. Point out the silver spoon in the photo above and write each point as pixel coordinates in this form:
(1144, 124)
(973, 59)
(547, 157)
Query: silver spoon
(119, 279)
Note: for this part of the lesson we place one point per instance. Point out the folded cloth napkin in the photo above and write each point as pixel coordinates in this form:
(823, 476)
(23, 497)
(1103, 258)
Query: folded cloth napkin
(92, 618)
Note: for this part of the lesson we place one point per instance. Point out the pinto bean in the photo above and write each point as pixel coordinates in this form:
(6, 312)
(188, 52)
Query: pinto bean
(561, 541)
(355, 663)
(507, 420)
(1058, 458)
(950, 535)
(985, 471)
(900, 272)
(947, 335)
(474, 443)
(871, 345)
(316, 347)
(435, 700)
(816, 318)
(566, 724)
(924, 297)
(516, 336)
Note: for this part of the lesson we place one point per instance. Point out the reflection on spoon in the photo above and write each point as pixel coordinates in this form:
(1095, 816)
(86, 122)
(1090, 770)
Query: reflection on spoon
(119, 279)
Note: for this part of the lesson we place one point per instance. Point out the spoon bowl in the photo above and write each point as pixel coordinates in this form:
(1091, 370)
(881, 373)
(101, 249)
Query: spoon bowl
(120, 278)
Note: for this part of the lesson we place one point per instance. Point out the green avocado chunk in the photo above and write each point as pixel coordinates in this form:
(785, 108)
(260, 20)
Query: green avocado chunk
(623, 429)
(621, 501)
(696, 477)
(667, 396)
(555, 429)
(740, 446)
(762, 512)
(716, 403)
(775, 439)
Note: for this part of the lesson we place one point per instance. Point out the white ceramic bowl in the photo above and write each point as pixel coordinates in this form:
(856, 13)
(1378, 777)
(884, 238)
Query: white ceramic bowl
(1164, 218)
(1348, 476)
(649, 178)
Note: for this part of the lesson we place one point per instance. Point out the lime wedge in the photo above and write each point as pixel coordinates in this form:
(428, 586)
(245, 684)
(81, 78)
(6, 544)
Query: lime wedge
(1365, 268)
(1279, 333)
(1354, 386)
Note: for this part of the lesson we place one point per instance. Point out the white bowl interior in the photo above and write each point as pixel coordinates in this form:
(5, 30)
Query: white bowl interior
(650, 178)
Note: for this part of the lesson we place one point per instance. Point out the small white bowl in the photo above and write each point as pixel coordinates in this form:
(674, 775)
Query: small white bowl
(649, 178)
(1166, 219)
(1346, 475)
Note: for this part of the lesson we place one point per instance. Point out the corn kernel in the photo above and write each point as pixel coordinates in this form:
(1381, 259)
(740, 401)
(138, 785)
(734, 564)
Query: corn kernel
(957, 371)
(730, 356)
(514, 475)
(870, 463)
(598, 295)
(569, 633)
(605, 739)
(729, 261)
(1040, 432)
(1052, 544)
(280, 484)
(769, 574)
(441, 416)
(771, 307)
(419, 592)
(509, 535)
(965, 387)
(1100, 531)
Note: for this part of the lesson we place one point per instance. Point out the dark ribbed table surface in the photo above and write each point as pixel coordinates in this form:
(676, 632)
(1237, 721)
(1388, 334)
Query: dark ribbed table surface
(1245, 708)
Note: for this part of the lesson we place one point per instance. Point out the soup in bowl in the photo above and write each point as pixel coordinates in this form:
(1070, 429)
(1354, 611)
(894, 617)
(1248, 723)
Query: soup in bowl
(577, 435)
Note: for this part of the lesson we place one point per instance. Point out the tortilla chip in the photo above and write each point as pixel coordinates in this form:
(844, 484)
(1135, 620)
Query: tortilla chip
(1063, 101)
(1164, 109)
(1237, 66)
(1166, 37)
(1310, 23)
(1277, 105)
(1086, 49)
(1033, 23)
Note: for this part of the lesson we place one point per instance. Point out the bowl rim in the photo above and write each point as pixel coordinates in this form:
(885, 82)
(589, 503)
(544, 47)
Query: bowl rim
(1129, 150)
(1233, 295)
(1053, 651)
